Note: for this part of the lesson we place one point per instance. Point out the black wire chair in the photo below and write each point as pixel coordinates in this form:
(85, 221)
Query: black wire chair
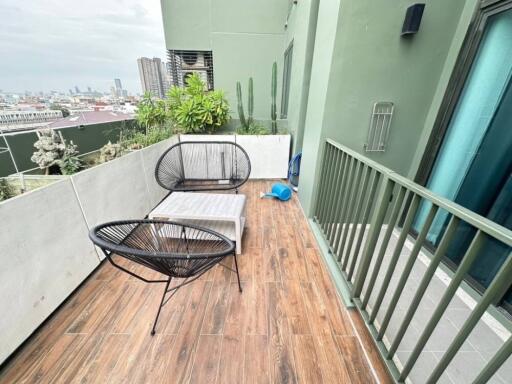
(173, 249)
(203, 166)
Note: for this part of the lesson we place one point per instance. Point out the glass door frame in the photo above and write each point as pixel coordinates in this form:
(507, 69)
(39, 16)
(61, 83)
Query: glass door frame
(469, 49)
(462, 67)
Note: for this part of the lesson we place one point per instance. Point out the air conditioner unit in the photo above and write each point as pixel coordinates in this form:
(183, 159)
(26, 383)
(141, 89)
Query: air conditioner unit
(203, 74)
(192, 60)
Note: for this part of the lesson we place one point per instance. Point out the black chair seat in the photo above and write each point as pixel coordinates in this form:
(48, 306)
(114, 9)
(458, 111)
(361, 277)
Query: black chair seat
(203, 166)
(173, 249)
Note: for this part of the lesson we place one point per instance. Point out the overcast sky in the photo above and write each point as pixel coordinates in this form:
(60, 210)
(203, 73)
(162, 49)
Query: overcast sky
(57, 44)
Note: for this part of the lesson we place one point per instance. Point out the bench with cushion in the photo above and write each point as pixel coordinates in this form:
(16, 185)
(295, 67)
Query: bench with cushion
(203, 166)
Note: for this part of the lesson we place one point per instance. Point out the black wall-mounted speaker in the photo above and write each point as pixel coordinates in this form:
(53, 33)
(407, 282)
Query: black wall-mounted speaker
(413, 19)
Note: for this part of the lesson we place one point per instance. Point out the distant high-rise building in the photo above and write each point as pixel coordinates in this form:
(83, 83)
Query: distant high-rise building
(89, 89)
(118, 88)
(77, 90)
(153, 76)
(70, 91)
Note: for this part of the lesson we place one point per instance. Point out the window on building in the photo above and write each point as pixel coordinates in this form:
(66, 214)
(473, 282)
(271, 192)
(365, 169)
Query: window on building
(287, 70)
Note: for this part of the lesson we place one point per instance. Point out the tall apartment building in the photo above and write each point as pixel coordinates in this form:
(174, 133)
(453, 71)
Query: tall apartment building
(154, 77)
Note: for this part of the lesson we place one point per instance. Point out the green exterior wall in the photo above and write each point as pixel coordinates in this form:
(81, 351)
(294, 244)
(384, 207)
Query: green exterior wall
(358, 58)
(371, 62)
(246, 37)
(297, 34)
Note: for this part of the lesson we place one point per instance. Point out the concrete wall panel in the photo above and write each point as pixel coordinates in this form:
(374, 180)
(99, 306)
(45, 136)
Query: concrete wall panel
(45, 255)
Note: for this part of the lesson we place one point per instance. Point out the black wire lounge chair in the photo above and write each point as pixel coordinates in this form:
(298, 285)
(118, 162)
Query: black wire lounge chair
(173, 249)
(203, 166)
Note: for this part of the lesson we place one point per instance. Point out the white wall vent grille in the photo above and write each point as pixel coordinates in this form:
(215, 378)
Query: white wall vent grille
(380, 124)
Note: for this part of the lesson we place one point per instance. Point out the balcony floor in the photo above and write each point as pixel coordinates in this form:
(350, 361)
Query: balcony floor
(288, 325)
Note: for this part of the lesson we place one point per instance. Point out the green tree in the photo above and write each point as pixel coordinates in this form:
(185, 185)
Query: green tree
(194, 109)
(151, 113)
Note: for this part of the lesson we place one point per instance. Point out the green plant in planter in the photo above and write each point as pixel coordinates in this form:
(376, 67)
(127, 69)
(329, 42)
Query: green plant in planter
(248, 126)
(110, 151)
(273, 107)
(6, 190)
(150, 112)
(70, 163)
(54, 154)
(193, 109)
(139, 140)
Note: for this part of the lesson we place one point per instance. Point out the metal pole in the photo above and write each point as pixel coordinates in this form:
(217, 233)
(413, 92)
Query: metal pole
(22, 180)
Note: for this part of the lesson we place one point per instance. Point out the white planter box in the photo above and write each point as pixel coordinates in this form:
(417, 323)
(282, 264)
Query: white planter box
(269, 154)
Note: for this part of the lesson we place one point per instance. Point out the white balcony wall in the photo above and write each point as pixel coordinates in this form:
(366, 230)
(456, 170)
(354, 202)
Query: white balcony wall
(45, 255)
(45, 249)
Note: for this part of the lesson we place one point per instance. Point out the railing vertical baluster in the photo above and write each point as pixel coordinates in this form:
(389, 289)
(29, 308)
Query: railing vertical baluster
(495, 363)
(350, 226)
(385, 241)
(373, 235)
(341, 217)
(320, 202)
(364, 222)
(463, 268)
(357, 215)
(404, 276)
(352, 208)
(489, 296)
(332, 189)
(328, 184)
(335, 229)
(411, 213)
(425, 281)
(340, 175)
(340, 198)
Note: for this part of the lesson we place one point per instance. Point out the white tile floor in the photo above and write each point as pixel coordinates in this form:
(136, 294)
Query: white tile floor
(480, 346)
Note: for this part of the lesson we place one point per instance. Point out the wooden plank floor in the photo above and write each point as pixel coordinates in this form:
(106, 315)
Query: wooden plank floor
(288, 325)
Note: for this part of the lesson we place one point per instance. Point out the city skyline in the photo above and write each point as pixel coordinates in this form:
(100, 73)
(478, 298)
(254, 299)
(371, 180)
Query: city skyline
(59, 49)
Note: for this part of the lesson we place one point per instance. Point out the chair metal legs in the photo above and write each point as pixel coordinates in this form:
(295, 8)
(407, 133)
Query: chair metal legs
(237, 274)
(175, 289)
(160, 307)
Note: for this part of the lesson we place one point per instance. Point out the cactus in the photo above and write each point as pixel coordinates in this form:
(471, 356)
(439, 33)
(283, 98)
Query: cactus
(273, 108)
(250, 103)
(241, 114)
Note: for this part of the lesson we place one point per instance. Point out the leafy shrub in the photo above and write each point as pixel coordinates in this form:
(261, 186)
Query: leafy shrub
(6, 190)
(53, 151)
(70, 165)
(138, 140)
(253, 128)
(150, 112)
(193, 109)
(110, 151)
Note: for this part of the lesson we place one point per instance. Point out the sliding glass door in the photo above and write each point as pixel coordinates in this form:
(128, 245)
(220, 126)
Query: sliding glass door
(474, 164)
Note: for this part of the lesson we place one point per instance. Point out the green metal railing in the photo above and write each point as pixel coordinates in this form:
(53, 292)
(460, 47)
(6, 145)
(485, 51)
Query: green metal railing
(359, 204)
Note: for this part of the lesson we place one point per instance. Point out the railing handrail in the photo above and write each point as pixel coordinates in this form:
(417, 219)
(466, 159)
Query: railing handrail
(356, 214)
(491, 228)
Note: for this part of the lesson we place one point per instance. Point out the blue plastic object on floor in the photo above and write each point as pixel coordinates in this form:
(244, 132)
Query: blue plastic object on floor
(279, 191)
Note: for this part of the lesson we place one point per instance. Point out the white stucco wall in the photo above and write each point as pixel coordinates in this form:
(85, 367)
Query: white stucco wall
(45, 250)
(45, 255)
